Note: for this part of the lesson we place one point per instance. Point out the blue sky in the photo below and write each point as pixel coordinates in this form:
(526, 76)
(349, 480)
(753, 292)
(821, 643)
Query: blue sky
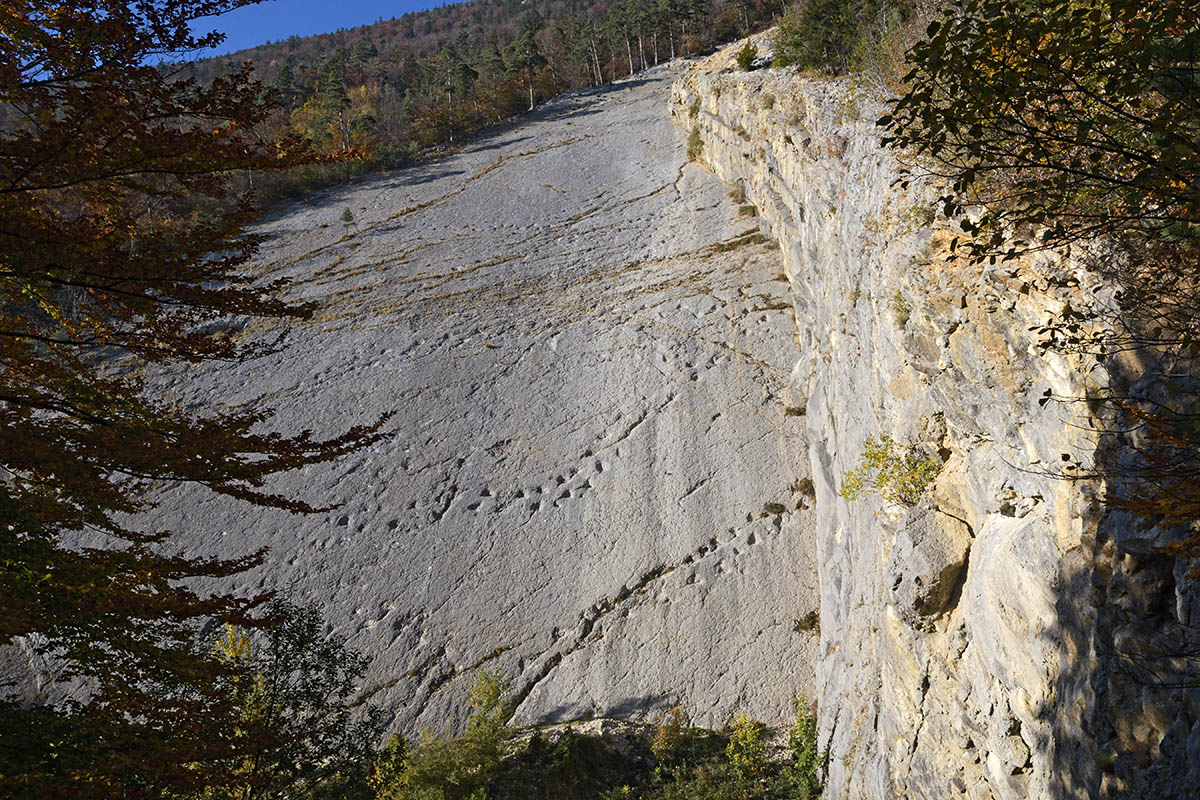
(279, 19)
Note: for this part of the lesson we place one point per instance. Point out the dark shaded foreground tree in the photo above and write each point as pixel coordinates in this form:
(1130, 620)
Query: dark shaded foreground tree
(297, 691)
(106, 268)
(1074, 127)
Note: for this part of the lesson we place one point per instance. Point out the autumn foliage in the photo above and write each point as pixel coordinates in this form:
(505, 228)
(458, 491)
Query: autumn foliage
(107, 267)
(1074, 127)
(432, 77)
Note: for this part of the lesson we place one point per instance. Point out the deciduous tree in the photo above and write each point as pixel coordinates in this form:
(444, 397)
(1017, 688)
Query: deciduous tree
(1071, 118)
(106, 268)
(1063, 123)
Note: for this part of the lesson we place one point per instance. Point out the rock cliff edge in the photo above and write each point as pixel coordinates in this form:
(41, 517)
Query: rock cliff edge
(967, 642)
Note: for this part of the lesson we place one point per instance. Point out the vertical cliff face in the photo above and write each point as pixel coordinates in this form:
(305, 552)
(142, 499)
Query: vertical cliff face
(965, 641)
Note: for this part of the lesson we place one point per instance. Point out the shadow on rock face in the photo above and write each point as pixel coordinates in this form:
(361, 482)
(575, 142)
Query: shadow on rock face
(1129, 690)
(646, 707)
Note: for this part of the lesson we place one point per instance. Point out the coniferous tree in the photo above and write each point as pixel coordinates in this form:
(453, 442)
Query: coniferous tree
(334, 99)
(524, 55)
(621, 21)
(296, 690)
(455, 74)
(284, 84)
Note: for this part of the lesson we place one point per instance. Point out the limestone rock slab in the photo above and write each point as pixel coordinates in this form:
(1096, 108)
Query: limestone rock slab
(586, 359)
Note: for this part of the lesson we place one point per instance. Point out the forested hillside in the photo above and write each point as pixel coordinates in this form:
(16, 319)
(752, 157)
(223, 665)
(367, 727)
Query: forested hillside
(392, 88)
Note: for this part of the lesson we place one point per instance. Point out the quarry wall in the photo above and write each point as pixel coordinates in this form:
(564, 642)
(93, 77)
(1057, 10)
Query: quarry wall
(966, 642)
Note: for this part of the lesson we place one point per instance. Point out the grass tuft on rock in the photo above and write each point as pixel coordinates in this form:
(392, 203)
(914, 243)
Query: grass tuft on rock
(695, 144)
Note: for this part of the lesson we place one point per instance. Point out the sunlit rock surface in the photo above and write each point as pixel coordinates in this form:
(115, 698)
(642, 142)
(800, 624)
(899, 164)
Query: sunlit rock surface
(973, 646)
(590, 487)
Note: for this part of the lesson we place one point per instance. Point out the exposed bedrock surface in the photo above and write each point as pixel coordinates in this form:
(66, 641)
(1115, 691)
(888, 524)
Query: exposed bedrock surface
(969, 645)
(590, 484)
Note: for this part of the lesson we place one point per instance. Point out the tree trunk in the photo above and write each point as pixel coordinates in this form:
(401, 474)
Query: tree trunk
(596, 64)
(531, 90)
(654, 39)
(629, 52)
(641, 51)
(596, 58)
(671, 36)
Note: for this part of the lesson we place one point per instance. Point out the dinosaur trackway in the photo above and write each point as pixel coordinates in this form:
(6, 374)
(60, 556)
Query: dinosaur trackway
(591, 487)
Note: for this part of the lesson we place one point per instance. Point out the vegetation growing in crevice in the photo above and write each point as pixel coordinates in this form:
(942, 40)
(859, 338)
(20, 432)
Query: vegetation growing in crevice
(901, 309)
(695, 144)
(899, 473)
(747, 54)
(804, 486)
(744, 240)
